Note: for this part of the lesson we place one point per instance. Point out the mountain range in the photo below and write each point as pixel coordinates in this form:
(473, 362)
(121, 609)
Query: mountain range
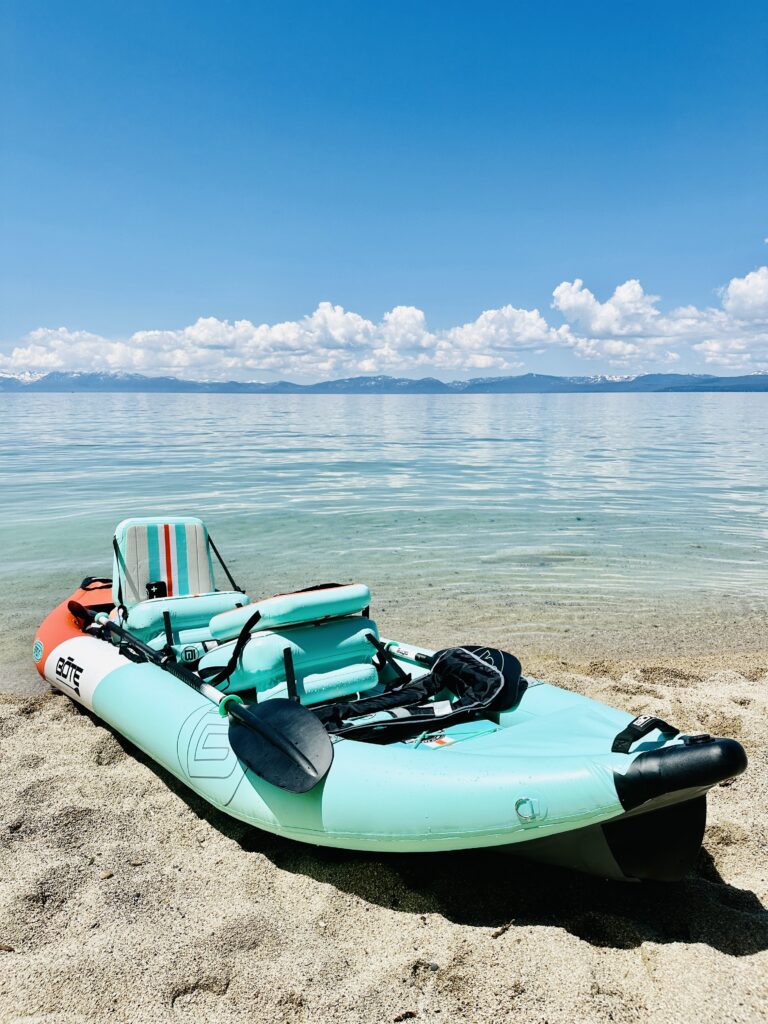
(527, 383)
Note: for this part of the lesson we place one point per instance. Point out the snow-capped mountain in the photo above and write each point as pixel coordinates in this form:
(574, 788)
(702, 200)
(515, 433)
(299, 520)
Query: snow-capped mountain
(526, 383)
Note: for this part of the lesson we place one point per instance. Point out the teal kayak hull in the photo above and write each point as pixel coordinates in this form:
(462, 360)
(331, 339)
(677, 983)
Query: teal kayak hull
(398, 798)
(541, 779)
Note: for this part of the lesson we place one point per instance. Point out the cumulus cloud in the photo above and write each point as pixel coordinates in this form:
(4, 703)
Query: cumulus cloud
(630, 328)
(628, 311)
(331, 340)
(627, 330)
(747, 297)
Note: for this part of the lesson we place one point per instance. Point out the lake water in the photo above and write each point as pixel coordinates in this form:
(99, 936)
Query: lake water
(523, 514)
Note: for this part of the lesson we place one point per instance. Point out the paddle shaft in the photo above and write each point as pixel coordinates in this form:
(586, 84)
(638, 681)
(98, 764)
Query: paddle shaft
(149, 653)
(234, 708)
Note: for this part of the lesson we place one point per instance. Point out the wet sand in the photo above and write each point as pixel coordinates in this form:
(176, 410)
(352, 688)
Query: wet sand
(124, 897)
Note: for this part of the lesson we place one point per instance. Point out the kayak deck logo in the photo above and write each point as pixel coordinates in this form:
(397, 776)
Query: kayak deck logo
(204, 752)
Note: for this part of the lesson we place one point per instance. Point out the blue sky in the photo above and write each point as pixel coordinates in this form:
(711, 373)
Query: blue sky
(245, 163)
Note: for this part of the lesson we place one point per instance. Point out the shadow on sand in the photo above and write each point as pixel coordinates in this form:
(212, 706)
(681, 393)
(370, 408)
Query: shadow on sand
(496, 890)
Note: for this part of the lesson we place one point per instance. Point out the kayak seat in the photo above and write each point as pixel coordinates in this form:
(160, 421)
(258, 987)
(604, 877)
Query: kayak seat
(305, 606)
(324, 686)
(166, 566)
(188, 614)
(326, 636)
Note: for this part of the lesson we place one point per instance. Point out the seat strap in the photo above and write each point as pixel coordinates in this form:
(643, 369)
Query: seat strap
(168, 634)
(120, 561)
(386, 658)
(290, 675)
(222, 563)
(216, 677)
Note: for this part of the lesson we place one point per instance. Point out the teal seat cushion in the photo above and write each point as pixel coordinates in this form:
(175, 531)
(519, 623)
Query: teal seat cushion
(293, 609)
(320, 648)
(145, 620)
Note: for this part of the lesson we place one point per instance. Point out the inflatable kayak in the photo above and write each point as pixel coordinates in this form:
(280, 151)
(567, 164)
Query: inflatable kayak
(294, 715)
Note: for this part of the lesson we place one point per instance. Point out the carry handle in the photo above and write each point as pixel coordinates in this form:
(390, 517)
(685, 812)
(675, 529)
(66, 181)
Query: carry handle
(638, 728)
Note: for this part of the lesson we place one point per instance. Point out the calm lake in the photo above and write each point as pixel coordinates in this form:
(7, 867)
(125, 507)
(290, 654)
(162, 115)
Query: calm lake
(526, 512)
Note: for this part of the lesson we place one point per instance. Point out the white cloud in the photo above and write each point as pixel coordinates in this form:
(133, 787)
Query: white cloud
(628, 311)
(331, 340)
(747, 297)
(628, 329)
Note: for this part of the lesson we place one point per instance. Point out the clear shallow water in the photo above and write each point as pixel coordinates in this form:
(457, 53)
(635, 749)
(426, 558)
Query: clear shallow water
(534, 511)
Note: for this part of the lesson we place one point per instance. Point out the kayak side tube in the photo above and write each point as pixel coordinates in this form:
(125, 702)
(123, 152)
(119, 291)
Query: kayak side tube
(520, 786)
(396, 798)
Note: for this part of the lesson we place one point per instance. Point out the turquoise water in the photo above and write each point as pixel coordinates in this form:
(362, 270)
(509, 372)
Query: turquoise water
(527, 513)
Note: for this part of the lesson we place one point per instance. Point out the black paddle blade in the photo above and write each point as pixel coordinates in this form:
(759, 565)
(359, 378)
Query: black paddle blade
(282, 742)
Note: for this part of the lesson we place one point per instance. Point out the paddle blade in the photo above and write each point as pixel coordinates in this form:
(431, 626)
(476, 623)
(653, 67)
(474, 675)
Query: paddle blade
(81, 615)
(282, 742)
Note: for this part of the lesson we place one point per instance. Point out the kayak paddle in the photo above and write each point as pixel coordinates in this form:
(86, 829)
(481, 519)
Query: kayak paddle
(279, 740)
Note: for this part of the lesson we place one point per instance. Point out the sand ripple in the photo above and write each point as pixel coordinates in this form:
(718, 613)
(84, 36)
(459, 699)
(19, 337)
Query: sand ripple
(125, 898)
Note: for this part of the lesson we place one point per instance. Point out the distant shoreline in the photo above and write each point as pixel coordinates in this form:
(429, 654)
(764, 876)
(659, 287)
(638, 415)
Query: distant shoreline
(528, 383)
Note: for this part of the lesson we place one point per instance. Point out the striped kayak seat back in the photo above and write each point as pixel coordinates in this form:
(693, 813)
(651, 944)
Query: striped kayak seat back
(174, 552)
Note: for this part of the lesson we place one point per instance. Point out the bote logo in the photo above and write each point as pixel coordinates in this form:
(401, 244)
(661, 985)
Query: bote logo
(69, 672)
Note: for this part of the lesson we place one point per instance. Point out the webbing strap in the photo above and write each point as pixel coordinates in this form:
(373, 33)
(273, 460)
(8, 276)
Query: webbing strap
(222, 563)
(168, 632)
(95, 583)
(120, 604)
(290, 675)
(242, 640)
(387, 658)
(638, 728)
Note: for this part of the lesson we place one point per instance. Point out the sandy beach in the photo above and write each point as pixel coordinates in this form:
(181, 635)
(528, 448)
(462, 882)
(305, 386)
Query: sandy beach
(466, 303)
(124, 897)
